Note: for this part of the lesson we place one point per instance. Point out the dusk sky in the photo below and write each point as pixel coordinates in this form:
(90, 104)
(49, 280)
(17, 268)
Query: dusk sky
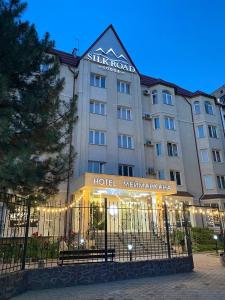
(179, 41)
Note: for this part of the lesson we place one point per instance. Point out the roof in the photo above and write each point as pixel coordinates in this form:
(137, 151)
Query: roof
(70, 59)
(213, 196)
(183, 194)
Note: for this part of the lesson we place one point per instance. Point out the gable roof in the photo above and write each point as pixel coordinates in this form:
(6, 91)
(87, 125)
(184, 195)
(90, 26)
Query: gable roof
(120, 42)
(70, 59)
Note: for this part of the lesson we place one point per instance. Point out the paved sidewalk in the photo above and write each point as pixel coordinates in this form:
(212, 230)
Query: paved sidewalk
(206, 282)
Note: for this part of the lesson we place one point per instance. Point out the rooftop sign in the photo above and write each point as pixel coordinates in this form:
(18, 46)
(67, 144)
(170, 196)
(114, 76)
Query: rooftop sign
(110, 60)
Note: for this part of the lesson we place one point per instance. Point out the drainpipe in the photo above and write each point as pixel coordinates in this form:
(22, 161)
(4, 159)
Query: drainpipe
(199, 167)
(68, 218)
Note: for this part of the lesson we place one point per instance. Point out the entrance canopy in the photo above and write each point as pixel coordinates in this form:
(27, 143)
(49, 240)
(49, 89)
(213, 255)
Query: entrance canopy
(117, 183)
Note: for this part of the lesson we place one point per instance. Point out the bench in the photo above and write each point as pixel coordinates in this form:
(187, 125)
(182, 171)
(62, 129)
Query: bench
(82, 254)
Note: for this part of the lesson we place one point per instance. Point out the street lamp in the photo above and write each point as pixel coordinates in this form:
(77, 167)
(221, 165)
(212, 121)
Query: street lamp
(130, 247)
(215, 237)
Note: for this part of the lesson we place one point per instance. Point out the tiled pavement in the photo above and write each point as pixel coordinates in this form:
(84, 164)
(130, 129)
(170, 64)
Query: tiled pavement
(206, 282)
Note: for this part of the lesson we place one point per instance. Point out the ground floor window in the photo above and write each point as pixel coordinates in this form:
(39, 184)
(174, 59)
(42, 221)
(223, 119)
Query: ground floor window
(95, 166)
(126, 170)
(175, 176)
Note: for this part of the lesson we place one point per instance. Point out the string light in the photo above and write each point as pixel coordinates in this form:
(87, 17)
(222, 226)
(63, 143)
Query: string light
(58, 209)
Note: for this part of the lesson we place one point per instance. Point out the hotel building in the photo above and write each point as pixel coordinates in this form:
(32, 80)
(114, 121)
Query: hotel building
(133, 125)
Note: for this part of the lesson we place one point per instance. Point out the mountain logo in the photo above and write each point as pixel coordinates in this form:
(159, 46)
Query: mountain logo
(111, 52)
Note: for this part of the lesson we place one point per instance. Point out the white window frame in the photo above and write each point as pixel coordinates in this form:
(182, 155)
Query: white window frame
(198, 106)
(161, 174)
(174, 148)
(97, 135)
(208, 108)
(167, 98)
(156, 122)
(123, 87)
(158, 150)
(175, 176)
(124, 113)
(99, 108)
(207, 185)
(198, 132)
(97, 80)
(202, 153)
(125, 141)
(170, 121)
(94, 163)
(215, 155)
(213, 132)
(220, 182)
(154, 97)
(130, 170)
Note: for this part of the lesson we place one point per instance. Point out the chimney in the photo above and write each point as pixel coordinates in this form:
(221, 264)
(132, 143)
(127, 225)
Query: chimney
(74, 52)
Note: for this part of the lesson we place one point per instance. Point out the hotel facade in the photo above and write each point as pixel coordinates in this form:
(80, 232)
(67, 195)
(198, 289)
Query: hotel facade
(148, 134)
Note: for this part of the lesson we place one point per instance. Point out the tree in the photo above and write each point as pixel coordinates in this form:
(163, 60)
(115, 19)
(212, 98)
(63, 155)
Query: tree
(35, 123)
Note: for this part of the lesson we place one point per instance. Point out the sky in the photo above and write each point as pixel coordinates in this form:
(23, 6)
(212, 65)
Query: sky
(181, 41)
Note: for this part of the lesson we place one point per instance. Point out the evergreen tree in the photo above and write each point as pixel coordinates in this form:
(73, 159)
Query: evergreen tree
(35, 123)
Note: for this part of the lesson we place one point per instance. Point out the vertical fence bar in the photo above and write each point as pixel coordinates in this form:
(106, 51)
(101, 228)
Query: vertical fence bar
(26, 237)
(106, 234)
(187, 232)
(167, 231)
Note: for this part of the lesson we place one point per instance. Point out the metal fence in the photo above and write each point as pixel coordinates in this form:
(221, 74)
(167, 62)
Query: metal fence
(46, 236)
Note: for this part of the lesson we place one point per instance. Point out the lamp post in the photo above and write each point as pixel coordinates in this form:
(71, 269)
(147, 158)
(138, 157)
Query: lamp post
(215, 237)
(130, 247)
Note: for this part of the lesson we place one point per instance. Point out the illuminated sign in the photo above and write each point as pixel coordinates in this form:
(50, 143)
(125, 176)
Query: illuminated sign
(131, 184)
(111, 61)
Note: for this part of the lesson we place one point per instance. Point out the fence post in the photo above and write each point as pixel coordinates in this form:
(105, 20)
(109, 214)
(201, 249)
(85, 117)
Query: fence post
(167, 231)
(187, 232)
(26, 236)
(106, 234)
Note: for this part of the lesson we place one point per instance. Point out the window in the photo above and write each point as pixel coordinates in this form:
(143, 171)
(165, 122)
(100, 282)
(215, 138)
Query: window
(124, 113)
(125, 141)
(208, 182)
(158, 148)
(204, 155)
(123, 87)
(197, 108)
(126, 170)
(167, 98)
(95, 166)
(97, 107)
(212, 131)
(175, 176)
(156, 123)
(97, 80)
(201, 132)
(169, 123)
(161, 174)
(217, 157)
(208, 107)
(97, 137)
(221, 182)
(154, 97)
(172, 149)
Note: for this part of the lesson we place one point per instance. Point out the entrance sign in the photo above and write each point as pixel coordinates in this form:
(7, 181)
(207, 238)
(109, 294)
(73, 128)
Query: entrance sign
(110, 60)
(92, 180)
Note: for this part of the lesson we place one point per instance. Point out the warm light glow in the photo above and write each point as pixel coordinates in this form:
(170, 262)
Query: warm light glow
(113, 210)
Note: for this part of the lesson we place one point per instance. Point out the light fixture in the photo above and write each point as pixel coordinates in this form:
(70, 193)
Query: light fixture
(130, 247)
(215, 237)
(113, 210)
(82, 241)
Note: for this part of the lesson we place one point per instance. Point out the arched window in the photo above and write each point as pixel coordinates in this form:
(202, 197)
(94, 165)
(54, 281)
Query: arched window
(154, 97)
(167, 98)
(208, 107)
(197, 108)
